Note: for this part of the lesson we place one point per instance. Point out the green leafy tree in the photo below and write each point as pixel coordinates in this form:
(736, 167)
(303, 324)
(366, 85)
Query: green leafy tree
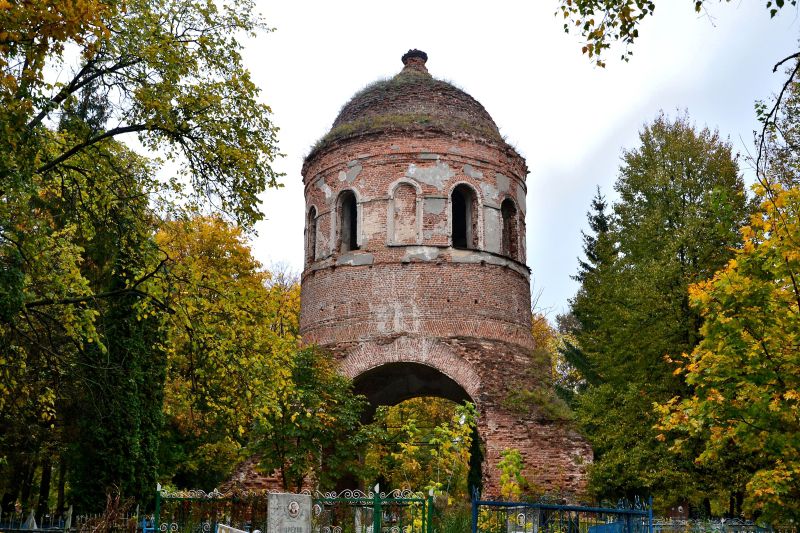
(681, 202)
(78, 208)
(314, 430)
(512, 482)
(61, 353)
(745, 372)
(119, 407)
(584, 317)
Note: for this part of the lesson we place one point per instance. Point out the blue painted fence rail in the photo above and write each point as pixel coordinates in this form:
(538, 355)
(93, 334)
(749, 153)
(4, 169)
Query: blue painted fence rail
(490, 516)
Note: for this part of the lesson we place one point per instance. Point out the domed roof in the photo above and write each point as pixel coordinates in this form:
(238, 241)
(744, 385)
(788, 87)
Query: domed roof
(413, 100)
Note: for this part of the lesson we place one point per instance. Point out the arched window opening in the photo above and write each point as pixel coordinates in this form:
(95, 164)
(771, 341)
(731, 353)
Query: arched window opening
(348, 222)
(464, 215)
(510, 246)
(311, 235)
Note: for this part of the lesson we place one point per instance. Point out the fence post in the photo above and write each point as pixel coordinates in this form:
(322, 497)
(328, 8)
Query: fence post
(429, 529)
(475, 510)
(377, 512)
(650, 514)
(157, 514)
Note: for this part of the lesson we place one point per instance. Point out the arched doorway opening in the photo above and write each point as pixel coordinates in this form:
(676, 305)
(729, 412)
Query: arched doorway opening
(424, 427)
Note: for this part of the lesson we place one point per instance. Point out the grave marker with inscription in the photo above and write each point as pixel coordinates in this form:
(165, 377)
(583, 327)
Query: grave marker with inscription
(289, 513)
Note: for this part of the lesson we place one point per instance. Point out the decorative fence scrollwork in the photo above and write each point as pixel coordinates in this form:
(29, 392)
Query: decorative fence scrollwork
(196, 511)
(395, 511)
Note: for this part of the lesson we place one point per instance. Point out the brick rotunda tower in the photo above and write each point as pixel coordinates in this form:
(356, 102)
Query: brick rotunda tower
(415, 274)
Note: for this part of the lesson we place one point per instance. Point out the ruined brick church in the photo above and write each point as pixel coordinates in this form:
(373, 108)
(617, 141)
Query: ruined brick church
(415, 274)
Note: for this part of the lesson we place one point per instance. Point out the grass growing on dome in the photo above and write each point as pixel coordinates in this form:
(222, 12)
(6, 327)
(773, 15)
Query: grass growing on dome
(372, 110)
(402, 122)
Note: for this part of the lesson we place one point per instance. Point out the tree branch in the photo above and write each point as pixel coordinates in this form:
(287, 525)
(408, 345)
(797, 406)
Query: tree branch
(77, 83)
(88, 142)
(109, 294)
(771, 117)
(794, 283)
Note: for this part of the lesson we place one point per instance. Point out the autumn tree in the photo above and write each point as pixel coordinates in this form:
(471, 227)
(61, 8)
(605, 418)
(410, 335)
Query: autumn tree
(681, 202)
(78, 208)
(229, 341)
(604, 22)
(314, 428)
(745, 372)
(422, 444)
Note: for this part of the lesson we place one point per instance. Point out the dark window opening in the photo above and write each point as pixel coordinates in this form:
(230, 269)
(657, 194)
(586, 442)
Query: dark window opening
(348, 222)
(510, 243)
(311, 236)
(463, 212)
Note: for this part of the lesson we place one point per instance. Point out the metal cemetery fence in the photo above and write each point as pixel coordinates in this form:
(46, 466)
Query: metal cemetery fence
(399, 511)
(718, 525)
(351, 511)
(26, 523)
(544, 517)
(196, 511)
(354, 511)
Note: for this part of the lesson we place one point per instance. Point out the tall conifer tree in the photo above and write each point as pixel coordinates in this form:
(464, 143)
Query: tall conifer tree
(681, 203)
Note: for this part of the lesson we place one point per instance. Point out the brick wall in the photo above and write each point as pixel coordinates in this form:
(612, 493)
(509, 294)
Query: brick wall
(407, 295)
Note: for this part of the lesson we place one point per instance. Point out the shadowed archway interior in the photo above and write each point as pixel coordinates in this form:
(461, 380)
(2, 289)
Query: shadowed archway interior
(393, 383)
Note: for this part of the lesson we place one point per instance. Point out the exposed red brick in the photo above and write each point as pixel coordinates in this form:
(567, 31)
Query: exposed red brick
(407, 295)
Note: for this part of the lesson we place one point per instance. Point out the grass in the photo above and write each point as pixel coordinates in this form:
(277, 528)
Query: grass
(386, 90)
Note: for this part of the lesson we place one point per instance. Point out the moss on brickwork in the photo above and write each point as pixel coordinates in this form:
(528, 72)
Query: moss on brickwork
(400, 123)
(410, 101)
(533, 391)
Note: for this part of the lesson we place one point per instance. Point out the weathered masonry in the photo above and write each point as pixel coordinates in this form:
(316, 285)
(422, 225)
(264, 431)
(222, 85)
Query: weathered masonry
(415, 272)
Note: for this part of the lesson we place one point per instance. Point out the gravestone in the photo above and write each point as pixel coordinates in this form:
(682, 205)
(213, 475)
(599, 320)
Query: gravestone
(289, 513)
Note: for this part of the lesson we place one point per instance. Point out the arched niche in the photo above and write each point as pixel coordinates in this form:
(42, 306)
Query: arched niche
(404, 217)
(311, 235)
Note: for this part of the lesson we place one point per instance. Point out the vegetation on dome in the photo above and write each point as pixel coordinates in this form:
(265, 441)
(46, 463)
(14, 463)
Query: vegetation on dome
(382, 106)
(403, 122)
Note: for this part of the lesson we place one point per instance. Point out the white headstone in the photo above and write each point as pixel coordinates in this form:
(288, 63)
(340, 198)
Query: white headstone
(289, 513)
(30, 522)
(224, 528)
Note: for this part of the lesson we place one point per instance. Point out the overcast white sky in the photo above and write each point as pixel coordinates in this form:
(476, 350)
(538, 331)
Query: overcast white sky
(568, 118)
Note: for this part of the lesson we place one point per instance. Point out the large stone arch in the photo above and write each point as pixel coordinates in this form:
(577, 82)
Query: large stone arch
(368, 357)
(388, 372)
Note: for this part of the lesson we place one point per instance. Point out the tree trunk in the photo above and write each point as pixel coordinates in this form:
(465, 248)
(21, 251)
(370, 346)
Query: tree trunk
(43, 504)
(27, 484)
(12, 490)
(706, 508)
(62, 474)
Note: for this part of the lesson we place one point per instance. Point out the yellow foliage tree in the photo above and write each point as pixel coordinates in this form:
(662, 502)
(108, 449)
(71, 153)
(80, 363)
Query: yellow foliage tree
(746, 370)
(230, 341)
(422, 443)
